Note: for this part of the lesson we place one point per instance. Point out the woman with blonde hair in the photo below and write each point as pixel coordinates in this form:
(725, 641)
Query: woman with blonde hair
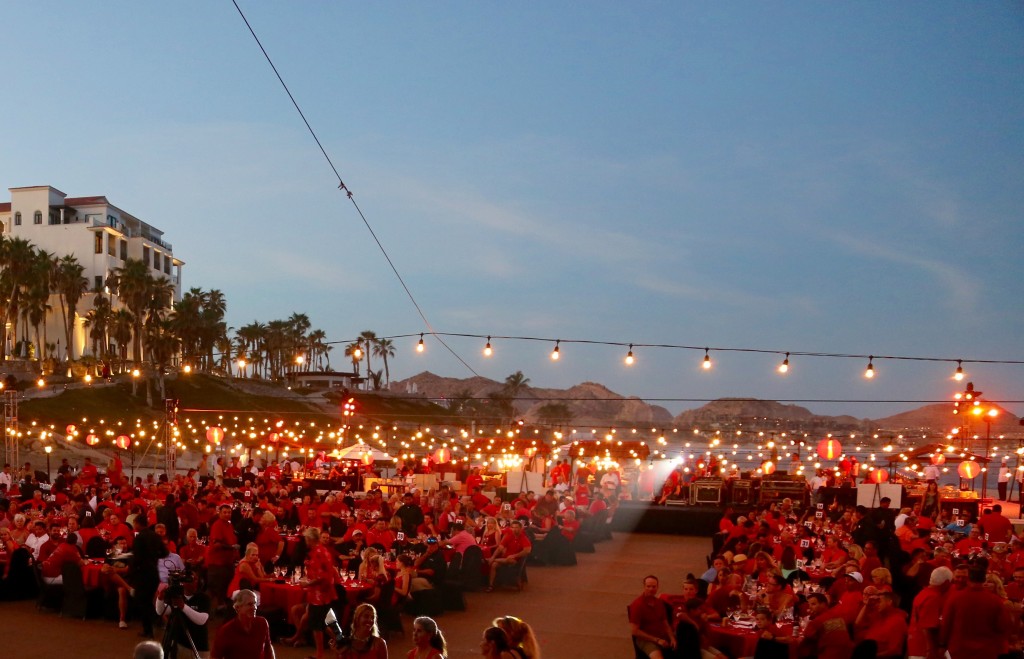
(881, 579)
(364, 639)
(428, 639)
(520, 635)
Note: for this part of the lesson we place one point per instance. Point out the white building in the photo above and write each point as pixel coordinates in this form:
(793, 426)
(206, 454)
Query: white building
(100, 235)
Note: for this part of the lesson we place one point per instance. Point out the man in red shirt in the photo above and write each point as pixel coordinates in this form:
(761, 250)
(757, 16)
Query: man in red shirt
(995, 527)
(221, 556)
(66, 552)
(881, 622)
(381, 535)
(247, 636)
(926, 615)
(649, 623)
(513, 548)
(321, 576)
(826, 636)
(975, 624)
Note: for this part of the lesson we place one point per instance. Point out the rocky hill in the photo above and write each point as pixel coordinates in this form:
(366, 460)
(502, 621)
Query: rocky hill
(594, 404)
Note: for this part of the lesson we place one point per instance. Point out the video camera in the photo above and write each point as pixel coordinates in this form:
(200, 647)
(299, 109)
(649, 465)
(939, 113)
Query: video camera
(176, 580)
(341, 637)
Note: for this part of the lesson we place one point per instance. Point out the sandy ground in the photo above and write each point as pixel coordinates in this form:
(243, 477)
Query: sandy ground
(576, 611)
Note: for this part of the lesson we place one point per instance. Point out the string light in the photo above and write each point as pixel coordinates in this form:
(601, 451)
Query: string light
(629, 356)
(487, 348)
(707, 360)
(959, 374)
(784, 366)
(870, 372)
(420, 347)
(554, 353)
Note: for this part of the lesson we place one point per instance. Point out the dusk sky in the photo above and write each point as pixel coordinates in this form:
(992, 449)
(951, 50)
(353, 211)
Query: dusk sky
(835, 177)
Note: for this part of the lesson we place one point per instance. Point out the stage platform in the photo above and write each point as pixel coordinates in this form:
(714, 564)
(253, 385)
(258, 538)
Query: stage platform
(646, 517)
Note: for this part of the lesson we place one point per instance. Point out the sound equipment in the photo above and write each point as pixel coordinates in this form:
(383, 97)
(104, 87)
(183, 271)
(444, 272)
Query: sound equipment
(706, 491)
(742, 492)
(777, 489)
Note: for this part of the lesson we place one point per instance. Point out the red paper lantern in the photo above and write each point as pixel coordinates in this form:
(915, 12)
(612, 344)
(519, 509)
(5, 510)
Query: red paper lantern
(92, 440)
(878, 476)
(71, 429)
(829, 449)
(215, 435)
(442, 456)
(122, 442)
(367, 458)
(938, 459)
(274, 438)
(768, 467)
(969, 469)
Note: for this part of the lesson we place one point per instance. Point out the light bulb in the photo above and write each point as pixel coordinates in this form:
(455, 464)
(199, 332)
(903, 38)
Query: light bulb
(870, 371)
(420, 347)
(554, 353)
(487, 348)
(959, 374)
(784, 366)
(629, 356)
(707, 360)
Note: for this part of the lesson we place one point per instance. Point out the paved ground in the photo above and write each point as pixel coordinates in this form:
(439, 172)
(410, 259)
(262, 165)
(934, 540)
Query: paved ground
(576, 611)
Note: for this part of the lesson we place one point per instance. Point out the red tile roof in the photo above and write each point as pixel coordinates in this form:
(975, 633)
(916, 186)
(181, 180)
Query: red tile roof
(5, 208)
(85, 201)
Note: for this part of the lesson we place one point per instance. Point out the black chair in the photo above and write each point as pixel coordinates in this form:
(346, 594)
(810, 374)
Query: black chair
(427, 602)
(471, 574)
(389, 617)
(50, 596)
(21, 583)
(75, 599)
(511, 575)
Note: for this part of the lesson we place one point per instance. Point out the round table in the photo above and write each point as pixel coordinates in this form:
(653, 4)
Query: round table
(92, 573)
(740, 641)
(281, 595)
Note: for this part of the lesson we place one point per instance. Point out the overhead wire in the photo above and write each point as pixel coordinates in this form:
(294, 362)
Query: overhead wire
(349, 194)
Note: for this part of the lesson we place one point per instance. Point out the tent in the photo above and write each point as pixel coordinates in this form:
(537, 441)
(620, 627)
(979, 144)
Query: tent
(357, 451)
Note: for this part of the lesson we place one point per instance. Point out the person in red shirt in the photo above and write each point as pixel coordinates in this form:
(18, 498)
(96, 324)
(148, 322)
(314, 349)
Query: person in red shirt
(881, 622)
(65, 552)
(976, 623)
(513, 547)
(995, 526)
(221, 555)
(247, 636)
(87, 476)
(926, 614)
(381, 535)
(826, 635)
(972, 542)
(321, 576)
(649, 623)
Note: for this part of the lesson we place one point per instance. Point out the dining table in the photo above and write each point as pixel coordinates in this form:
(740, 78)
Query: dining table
(741, 640)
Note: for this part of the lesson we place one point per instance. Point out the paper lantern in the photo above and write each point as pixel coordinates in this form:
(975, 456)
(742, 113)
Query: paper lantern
(442, 456)
(878, 476)
(938, 459)
(968, 469)
(215, 435)
(122, 442)
(274, 438)
(367, 458)
(530, 452)
(829, 449)
(92, 440)
(768, 467)
(71, 429)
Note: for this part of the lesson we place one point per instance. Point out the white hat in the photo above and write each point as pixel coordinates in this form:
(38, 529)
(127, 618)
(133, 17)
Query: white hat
(856, 576)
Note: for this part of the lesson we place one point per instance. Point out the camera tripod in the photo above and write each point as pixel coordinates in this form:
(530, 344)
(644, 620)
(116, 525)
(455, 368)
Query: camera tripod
(177, 624)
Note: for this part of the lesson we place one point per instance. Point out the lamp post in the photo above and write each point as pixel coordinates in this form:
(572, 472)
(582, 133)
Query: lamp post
(990, 414)
(49, 450)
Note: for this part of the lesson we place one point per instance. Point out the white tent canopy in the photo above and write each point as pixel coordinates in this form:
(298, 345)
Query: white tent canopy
(357, 451)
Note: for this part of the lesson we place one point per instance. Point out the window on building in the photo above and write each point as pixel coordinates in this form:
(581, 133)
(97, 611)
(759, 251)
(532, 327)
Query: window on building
(37, 218)
(167, 264)
(99, 242)
(111, 245)
(145, 255)
(156, 260)
(98, 283)
(17, 219)
(124, 250)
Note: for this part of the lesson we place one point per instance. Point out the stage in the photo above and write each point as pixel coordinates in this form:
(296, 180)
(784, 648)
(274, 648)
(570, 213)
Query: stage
(646, 517)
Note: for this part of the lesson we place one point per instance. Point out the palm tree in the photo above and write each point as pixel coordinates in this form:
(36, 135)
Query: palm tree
(17, 257)
(121, 324)
(384, 349)
(369, 337)
(354, 351)
(376, 378)
(163, 345)
(134, 285)
(71, 286)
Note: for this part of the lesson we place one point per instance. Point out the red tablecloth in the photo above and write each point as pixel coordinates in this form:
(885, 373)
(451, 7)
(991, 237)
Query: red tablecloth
(291, 543)
(740, 642)
(92, 574)
(281, 595)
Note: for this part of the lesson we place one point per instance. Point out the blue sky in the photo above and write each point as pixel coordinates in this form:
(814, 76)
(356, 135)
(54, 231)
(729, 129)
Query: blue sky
(794, 176)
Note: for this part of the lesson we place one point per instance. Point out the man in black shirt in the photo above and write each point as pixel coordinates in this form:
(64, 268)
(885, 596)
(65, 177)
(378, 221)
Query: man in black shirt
(410, 514)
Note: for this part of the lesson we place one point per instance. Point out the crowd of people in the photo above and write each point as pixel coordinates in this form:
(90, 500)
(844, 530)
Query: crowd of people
(200, 549)
(839, 581)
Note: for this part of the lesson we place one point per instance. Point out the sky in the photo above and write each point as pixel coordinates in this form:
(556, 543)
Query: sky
(803, 177)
